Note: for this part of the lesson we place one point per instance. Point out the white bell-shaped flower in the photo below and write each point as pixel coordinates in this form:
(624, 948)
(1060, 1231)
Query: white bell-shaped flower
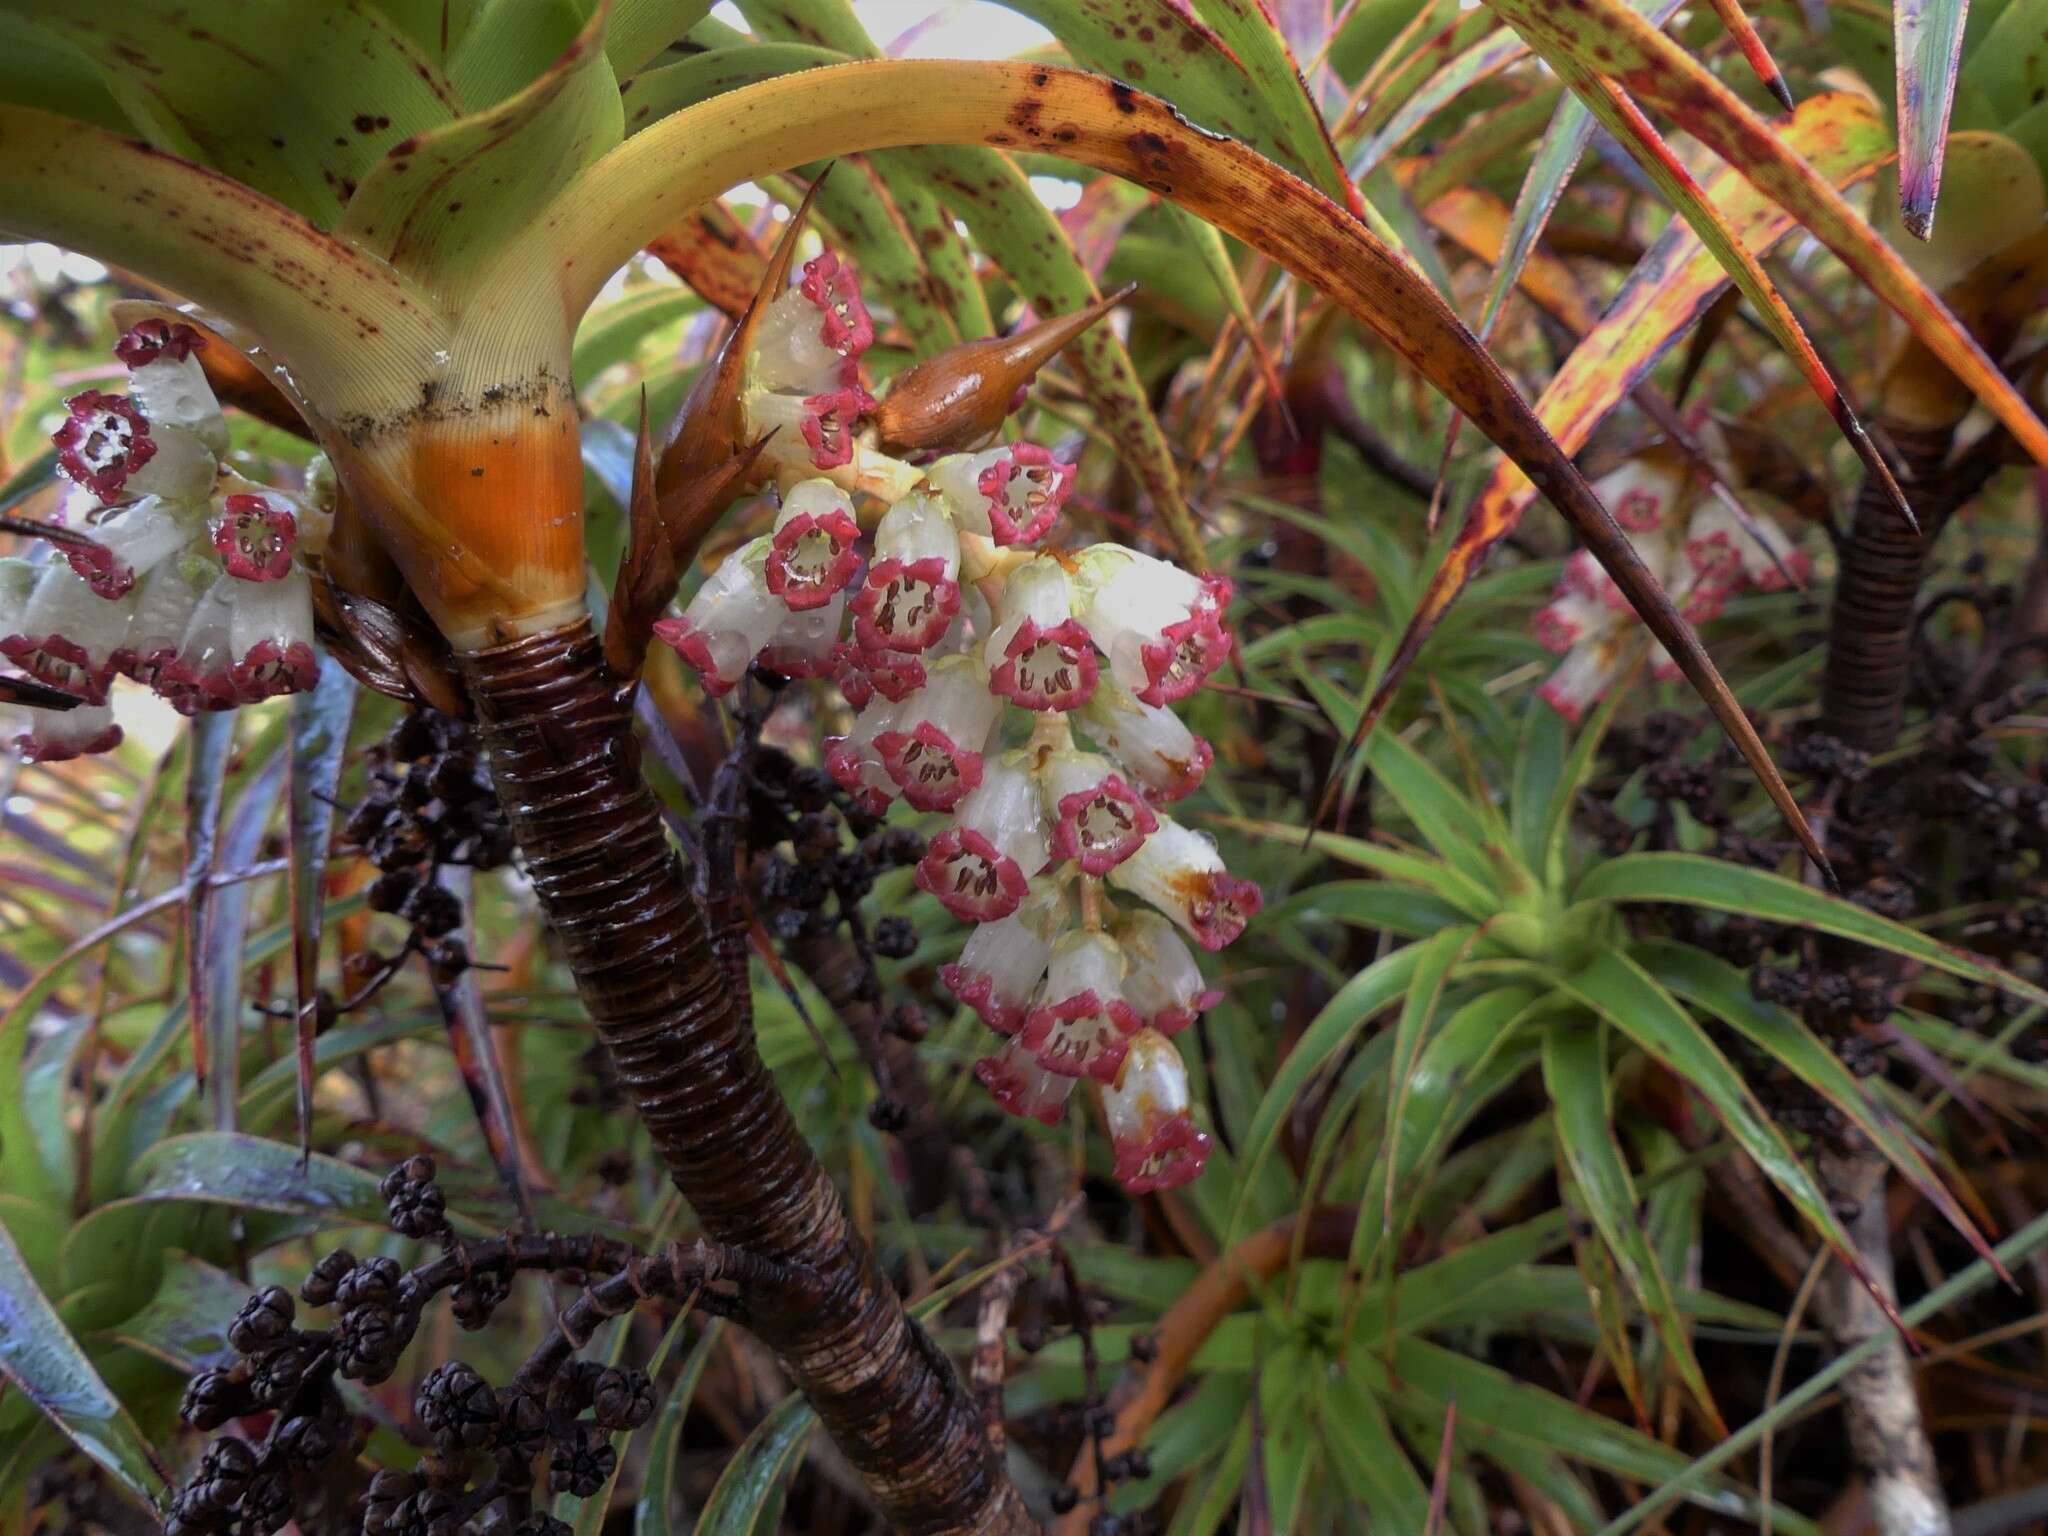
(999, 970)
(1165, 982)
(1151, 1121)
(933, 747)
(1160, 626)
(1148, 742)
(58, 735)
(1080, 1023)
(67, 635)
(811, 554)
(1017, 1082)
(1180, 872)
(110, 447)
(728, 622)
(171, 387)
(1098, 820)
(1012, 494)
(1040, 656)
(979, 866)
(913, 586)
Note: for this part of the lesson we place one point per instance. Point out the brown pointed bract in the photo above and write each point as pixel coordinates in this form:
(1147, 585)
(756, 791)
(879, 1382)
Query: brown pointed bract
(707, 429)
(956, 399)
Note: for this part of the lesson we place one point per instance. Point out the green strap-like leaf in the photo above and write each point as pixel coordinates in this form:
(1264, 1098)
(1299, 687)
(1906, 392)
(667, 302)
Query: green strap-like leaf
(442, 203)
(297, 101)
(253, 1173)
(1576, 1078)
(1628, 997)
(1332, 1032)
(1692, 880)
(753, 1480)
(41, 1360)
(1928, 46)
(319, 729)
(1717, 987)
(658, 1485)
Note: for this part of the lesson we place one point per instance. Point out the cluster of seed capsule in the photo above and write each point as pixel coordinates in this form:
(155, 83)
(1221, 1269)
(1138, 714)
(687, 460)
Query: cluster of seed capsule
(430, 804)
(1020, 688)
(173, 570)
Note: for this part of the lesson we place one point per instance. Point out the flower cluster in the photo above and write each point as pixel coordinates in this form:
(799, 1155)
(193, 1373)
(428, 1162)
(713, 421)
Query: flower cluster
(973, 656)
(175, 571)
(1699, 549)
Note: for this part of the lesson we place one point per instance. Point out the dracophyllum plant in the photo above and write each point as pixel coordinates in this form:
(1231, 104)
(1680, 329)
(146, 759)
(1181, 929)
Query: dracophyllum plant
(174, 571)
(1017, 686)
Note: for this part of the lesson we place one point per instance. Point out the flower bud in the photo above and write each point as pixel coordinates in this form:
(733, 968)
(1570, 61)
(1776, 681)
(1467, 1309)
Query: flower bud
(1081, 1022)
(980, 865)
(958, 398)
(1040, 656)
(998, 972)
(1148, 742)
(1180, 872)
(1151, 1124)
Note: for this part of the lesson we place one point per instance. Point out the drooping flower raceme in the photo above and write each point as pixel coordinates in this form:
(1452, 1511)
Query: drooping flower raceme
(187, 577)
(1021, 689)
(1699, 549)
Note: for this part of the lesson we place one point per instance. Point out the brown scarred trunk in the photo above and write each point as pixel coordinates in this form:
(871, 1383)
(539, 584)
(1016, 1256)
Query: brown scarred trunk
(1863, 702)
(566, 767)
(1870, 627)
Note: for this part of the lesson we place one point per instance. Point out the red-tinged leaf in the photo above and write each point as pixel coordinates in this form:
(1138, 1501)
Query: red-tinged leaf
(1098, 220)
(1618, 111)
(651, 179)
(206, 769)
(1927, 47)
(1743, 30)
(1675, 283)
(1479, 221)
(1671, 287)
(1608, 36)
(319, 734)
(1483, 60)
(475, 1048)
(714, 254)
